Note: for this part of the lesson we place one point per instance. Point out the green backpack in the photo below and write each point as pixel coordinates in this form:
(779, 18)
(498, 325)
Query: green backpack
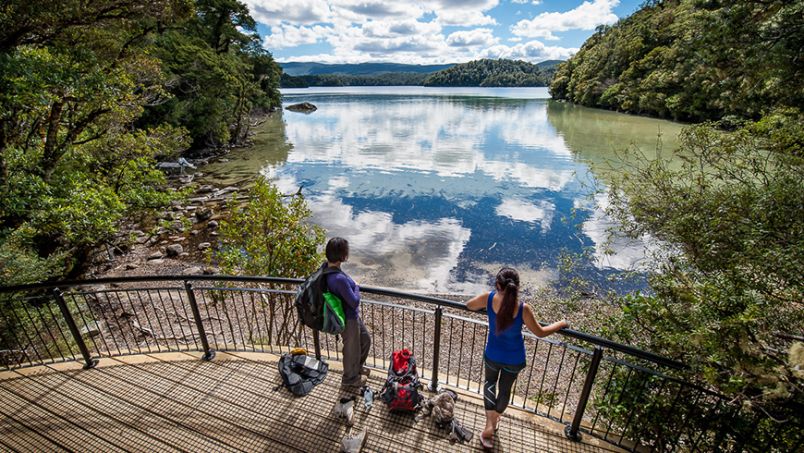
(334, 317)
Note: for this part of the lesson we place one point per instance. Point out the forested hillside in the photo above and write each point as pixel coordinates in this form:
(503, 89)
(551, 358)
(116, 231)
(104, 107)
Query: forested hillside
(692, 60)
(340, 80)
(492, 73)
(92, 94)
(727, 206)
(293, 68)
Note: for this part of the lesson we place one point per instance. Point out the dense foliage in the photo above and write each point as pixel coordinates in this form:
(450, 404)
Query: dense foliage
(692, 60)
(727, 293)
(218, 74)
(491, 73)
(92, 94)
(269, 236)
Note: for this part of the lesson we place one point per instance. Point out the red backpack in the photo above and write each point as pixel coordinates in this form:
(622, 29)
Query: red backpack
(401, 389)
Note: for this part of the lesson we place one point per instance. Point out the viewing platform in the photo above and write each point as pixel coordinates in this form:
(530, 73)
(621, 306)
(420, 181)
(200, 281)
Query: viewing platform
(189, 363)
(177, 402)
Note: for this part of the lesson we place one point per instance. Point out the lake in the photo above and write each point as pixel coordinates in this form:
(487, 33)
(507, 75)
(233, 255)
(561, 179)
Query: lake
(437, 188)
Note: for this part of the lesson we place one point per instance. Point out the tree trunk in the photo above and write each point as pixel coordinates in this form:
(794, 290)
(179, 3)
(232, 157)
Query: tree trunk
(49, 157)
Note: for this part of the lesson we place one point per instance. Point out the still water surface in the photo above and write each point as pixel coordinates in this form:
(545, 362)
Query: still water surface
(436, 188)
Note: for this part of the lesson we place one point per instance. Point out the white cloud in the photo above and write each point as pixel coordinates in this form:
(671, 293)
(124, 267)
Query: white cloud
(394, 28)
(355, 31)
(523, 2)
(283, 36)
(472, 38)
(272, 12)
(374, 8)
(587, 16)
(533, 51)
(463, 12)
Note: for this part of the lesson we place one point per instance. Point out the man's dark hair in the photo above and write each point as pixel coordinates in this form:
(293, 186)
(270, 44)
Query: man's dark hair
(337, 249)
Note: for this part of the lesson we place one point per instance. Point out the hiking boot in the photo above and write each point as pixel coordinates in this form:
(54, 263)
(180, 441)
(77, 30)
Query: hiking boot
(357, 386)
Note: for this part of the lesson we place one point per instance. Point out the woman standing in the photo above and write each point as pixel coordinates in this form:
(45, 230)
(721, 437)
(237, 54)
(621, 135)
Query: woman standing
(504, 356)
(356, 339)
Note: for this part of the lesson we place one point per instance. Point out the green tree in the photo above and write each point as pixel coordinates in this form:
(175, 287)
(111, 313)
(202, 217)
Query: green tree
(727, 291)
(71, 164)
(218, 72)
(491, 73)
(692, 60)
(92, 94)
(270, 235)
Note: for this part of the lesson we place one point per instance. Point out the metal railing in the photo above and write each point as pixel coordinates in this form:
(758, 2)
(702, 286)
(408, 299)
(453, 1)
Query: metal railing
(591, 384)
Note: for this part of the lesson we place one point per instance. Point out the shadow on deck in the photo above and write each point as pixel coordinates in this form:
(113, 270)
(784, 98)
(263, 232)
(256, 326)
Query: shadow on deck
(176, 402)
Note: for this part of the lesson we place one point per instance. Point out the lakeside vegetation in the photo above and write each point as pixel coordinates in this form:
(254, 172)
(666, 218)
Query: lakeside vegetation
(692, 61)
(92, 95)
(725, 289)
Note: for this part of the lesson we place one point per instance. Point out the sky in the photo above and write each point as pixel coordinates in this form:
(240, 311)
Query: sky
(430, 31)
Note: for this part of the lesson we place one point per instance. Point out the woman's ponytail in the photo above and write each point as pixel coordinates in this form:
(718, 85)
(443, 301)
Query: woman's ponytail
(508, 283)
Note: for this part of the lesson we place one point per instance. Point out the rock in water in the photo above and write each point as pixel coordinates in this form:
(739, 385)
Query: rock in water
(304, 107)
(203, 214)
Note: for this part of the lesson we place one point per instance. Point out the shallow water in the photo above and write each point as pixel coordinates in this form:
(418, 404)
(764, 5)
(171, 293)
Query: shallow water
(436, 188)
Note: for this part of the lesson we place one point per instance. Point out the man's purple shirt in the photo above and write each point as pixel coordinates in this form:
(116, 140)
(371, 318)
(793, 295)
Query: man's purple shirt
(344, 287)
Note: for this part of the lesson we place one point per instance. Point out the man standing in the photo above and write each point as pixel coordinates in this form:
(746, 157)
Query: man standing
(356, 339)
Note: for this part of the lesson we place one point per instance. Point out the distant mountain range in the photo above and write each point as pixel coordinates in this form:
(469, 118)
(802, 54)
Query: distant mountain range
(475, 73)
(303, 68)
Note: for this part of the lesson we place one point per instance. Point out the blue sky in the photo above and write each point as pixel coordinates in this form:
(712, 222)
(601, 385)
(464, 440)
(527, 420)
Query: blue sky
(430, 31)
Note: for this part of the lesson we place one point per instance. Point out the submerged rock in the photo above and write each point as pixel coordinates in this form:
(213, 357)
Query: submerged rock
(305, 107)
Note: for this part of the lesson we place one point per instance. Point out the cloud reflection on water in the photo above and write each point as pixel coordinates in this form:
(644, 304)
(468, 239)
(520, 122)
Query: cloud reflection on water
(506, 139)
(611, 249)
(432, 190)
(413, 255)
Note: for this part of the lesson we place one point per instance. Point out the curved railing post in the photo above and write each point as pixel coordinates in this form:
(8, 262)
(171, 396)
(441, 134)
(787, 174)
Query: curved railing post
(209, 354)
(89, 362)
(572, 431)
(436, 348)
(317, 344)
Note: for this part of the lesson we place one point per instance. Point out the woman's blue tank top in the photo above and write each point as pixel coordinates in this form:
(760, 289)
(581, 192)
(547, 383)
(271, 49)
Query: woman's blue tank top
(507, 347)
